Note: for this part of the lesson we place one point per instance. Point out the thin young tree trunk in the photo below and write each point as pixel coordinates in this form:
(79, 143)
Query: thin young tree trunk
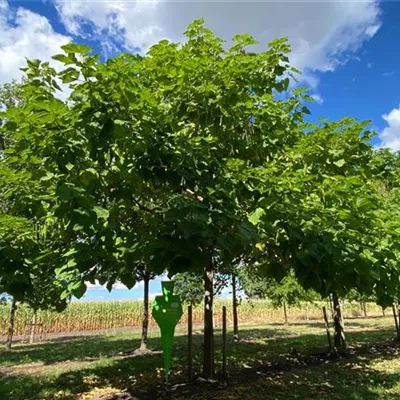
(11, 325)
(383, 312)
(33, 327)
(328, 334)
(190, 343)
(398, 316)
(208, 360)
(396, 322)
(285, 312)
(224, 341)
(365, 309)
(145, 320)
(340, 339)
(234, 309)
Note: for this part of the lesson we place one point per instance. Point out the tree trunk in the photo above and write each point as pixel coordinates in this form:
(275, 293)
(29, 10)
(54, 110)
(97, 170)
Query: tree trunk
(234, 309)
(383, 312)
(328, 334)
(33, 327)
(208, 360)
(396, 322)
(11, 325)
(285, 312)
(340, 340)
(190, 343)
(145, 320)
(364, 309)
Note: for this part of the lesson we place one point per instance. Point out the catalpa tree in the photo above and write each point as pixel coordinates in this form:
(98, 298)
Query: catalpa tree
(334, 228)
(145, 163)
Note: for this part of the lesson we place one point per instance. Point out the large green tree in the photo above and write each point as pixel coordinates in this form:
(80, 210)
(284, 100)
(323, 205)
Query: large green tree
(29, 243)
(334, 227)
(147, 160)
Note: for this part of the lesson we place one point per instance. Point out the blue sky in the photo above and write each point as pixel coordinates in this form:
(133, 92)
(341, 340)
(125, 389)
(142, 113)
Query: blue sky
(97, 292)
(119, 292)
(348, 51)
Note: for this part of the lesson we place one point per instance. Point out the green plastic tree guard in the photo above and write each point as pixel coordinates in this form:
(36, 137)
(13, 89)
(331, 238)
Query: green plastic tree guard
(167, 310)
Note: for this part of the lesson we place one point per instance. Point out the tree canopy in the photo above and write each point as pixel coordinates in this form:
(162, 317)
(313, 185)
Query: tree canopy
(186, 159)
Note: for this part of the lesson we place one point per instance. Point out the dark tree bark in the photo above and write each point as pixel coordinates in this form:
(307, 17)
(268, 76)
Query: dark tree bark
(234, 309)
(340, 340)
(190, 343)
(328, 334)
(224, 341)
(396, 321)
(11, 325)
(208, 360)
(145, 318)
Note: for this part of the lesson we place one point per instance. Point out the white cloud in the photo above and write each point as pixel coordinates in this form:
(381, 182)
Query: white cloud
(116, 286)
(390, 136)
(152, 296)
(387, 74)
(24, 34)
(370, 65)
(317, 98)
(323, 34)
(162, 278)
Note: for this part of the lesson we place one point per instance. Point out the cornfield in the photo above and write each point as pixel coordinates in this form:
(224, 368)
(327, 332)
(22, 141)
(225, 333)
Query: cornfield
(92, 316)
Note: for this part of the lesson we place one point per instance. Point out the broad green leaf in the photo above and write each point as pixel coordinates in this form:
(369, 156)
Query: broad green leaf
(340, 162)
(101, 212)
(76, 48)
(256, 216)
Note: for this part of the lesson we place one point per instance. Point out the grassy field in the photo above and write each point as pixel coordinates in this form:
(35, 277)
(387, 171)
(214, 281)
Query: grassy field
(92, 316)
(269, 362)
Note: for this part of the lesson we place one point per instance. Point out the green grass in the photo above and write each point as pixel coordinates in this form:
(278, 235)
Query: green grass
(269, 362)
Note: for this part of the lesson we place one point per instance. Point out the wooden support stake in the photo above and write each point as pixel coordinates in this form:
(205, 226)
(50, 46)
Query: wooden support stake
(327, 328)
(396, 322)
(190, 343)
(224, 341)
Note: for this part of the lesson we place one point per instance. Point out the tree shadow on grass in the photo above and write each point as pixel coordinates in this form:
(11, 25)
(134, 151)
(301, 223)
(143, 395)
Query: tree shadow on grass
(353, 378)
(87, 348)
(260, 367)
(95, 347)
(76, 350)
(318, 323)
